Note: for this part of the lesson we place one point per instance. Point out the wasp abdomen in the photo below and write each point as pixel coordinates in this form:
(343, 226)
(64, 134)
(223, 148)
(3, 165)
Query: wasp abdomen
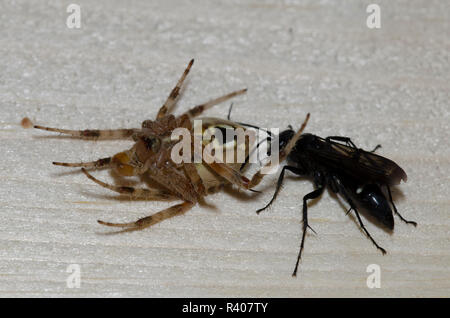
(372, 198)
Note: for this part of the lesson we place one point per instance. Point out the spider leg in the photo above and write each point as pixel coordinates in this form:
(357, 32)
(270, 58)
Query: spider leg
(226, 171)
(395, 208)
(155, 218)
(98, 164)
(257, 177)
(194, 177)
(93, 134)
(149, 194)
(171, 100)
(231, 175)
(197, 110)
(175, 181)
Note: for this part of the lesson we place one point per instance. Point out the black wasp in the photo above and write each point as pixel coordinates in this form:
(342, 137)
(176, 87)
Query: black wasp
(335, 162)
(359, 176)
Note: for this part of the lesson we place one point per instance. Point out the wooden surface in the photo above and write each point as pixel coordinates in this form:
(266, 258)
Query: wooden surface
(388, 86)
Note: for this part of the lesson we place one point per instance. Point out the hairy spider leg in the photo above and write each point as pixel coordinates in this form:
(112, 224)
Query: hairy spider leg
(98, 164)
(197, 110)
(93, 134)
(155, 218)
(149, 194)
(167, 107)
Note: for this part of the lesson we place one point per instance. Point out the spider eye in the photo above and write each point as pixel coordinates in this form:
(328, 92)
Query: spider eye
(151, 143)
(148, 142)
(155, 144)
(147, 123)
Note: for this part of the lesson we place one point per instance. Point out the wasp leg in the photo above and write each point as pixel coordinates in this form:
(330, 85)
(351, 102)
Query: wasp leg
(153, 219)
(280, 183)
(376, 148)
(197, 110)
(229, 112)
(98, 164)
(93, 134)
(347, 140)
(149, 194)
(172, 99)
(309, 196)
(395, 208)
(353, 207)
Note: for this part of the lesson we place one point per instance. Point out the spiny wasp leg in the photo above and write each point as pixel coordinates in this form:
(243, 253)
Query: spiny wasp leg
(312, 195)
(280, 183)
(376, 148)
(347, 140)
(395, 208)
(353, 207)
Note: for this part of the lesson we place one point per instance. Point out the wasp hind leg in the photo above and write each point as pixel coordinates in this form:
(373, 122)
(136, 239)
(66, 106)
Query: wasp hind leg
(349, 142)
(395, 208)
(346, 140)
(342, 190)
(376, 148)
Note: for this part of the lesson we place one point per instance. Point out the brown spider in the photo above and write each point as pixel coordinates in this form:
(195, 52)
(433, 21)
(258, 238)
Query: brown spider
(150, 154)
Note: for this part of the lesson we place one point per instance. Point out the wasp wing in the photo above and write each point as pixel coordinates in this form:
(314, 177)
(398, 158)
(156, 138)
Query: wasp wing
(358, 163)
